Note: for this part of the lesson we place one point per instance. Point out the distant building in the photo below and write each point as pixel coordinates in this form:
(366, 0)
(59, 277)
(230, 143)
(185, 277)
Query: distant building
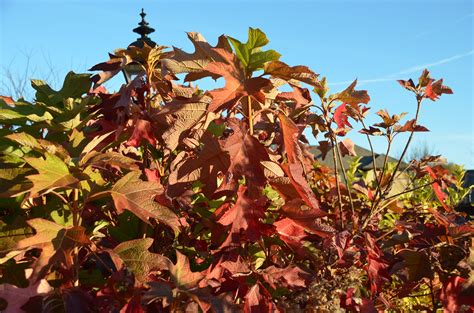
(467, 203)
(366, 163)
(401, 183)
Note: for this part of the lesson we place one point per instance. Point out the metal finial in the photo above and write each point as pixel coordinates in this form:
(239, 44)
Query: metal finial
(143, 30)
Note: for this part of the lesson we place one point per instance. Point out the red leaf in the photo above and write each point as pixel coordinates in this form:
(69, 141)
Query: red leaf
(288, 277)
(244, 216)
(245, 154)
(377, 267)
(207, 164)
(437, 189)
(341, 117)
(133, 306)
(407, 84)
(291, 134)
(17, 297)
(306, 217)
(294, 168)
(372, 131)
(142, 131)
(434, 90)
(258, 300)
(299, 95)
(181, 273)
(237, 85)
(295, 173)
(352, 303)
(410, 126)
(455, 293)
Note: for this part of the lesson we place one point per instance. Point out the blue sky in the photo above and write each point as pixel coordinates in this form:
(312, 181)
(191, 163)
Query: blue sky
(375, 41)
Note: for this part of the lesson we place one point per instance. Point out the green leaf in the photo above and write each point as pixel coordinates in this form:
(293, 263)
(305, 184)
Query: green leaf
(24, 111)
(25, 139)
(250, 54)
(139, 260)
(52, 173)
(101, 160)
(74, 86)
(12, 232)
(133, 194)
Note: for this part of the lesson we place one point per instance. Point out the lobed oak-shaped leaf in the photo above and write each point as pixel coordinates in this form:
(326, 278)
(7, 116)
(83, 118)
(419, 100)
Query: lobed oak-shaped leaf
(306, 217)
(258, 299)
(195, 63)
(204, 166)
(74, 86)
(16, 297)
(410, 126)
(341, 117)
(292, 74)
(237, 83)
(110, 158)
(142, 131)
(139, 260)
(456, 293)
(178, 117)
(250, 54)
(53, 173)
(300, 96)
(296, 175)
(377, 265)
(434, 90)
(56, 243)
(182, 275)
(351, 96)
(245, 153)
(294, 168)
(288, 277)
(291, 134)
(138, 196)
(347, 147)
(243, 216)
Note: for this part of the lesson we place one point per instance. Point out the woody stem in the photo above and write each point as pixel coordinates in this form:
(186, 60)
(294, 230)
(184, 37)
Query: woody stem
(249, 103)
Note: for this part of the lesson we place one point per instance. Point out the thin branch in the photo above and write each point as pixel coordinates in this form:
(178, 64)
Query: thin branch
(419, 100)
(349, 188)
(339, 196)
(249, 103)
(373, 153)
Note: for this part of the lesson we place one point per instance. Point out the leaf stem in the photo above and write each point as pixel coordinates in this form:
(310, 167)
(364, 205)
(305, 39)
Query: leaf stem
(249, 103)
(339, 196)
(75, 221)
(343, 170)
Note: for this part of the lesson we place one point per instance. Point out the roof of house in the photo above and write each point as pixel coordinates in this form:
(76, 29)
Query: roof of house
(468, 179)
(364, 154)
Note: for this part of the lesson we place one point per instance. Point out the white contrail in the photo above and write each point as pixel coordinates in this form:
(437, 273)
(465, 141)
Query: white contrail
(409, 70)
(443, 61)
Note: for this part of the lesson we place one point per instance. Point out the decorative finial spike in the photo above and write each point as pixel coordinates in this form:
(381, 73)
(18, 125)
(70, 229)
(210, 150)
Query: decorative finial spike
(143, 30)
